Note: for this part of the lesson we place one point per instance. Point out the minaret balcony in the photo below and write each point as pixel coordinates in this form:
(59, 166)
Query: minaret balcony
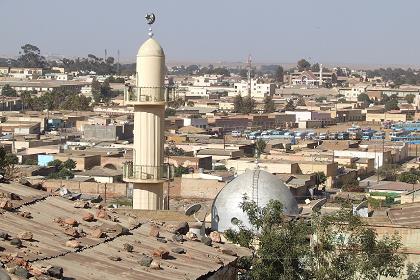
(147, 174)
(144, 95)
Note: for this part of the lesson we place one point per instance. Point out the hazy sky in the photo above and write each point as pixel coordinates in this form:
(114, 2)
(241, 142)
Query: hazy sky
(273, 31)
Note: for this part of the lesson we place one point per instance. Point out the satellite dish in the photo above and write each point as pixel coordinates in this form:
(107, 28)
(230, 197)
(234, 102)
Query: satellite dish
(191, 210)
(234, 221)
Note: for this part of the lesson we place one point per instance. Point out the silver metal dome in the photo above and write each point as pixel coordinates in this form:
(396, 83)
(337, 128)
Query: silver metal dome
(258, 185)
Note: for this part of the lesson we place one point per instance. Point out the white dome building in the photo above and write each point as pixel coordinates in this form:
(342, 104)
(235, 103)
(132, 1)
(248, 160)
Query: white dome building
(259, 186)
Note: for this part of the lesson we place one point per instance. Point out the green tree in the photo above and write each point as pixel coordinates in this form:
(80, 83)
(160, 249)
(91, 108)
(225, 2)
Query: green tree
(31, 57)
(7, 163)
(179, 170)
(320, 99)
(290, 106)
(303, 64)
(320, 178)
(69, 164)
(279, 76)
(260, 146)
(173, 150)
(220, 167)
(300, 101)
(389, 172)
(101, 92)
(248, 105)
(62, 170)
(8, 91)
(315, 67)
(269, 106)
(392, 105)
(27, 99)
(413, 271)
(408, 177)
(363, 97)
(56, 163)
(237, 103)
(170, 112)
(410, 98)
(63, 173)
(339, 246)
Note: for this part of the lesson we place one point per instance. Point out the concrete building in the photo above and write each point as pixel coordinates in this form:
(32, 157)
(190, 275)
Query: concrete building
(196, 122)
(312, 119)
(381, 117)
(258, 89)
(43, 85)
(84, 161)
(22, 72)
(101, 175)
(108, 132)
(352, 93)
(309, 78)
(207, 80)
(147, 172)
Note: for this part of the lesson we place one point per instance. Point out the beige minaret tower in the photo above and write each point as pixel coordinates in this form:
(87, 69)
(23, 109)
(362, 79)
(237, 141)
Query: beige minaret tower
(147, 172)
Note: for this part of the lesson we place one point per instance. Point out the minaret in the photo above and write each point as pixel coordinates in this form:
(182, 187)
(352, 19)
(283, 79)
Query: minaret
(147, 172)
(320, 75)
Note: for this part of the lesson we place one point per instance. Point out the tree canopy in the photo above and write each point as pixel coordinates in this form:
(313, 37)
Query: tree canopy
(7, 163)
(62, 170)
(410, 98)
(59, 98)
(303, 64)
(411, 177)
(243, 105)
(279, 75)
(363, 97)
(8, 91)
(30, 56)
(335, 246)
(290, 106)
(102, 92)
(269, 106)
(392, 105)
(315, 67)
(389, 171)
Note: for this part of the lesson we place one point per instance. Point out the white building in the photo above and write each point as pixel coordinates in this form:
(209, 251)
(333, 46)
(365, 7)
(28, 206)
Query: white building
(309, 78)
(196, 122)
(258, 90)
(58, 76)
(24, 73)
(351, 94)
(310, 115)
(207, 80)
(205, 91)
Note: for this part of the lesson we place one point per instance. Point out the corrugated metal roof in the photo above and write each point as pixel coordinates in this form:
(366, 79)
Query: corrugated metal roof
(92, 261)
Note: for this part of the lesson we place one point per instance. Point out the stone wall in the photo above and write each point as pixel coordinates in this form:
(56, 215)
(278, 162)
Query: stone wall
(106, 190)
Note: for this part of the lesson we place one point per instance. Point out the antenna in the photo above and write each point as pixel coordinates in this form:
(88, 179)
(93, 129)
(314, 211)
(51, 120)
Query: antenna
(150, 18)
(118, 62)
(105, 55)
(249, 65)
